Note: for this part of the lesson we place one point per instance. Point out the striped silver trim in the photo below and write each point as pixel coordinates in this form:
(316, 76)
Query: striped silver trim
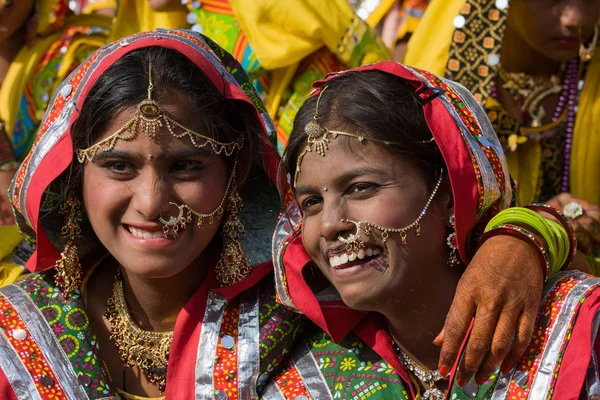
(549, 359)
(310, 373)
(272, 392)
(46, 341)
(207, 345)
(269, 125)
(51, 137)
(248, 345)
(19, 378)
(285, 225)
(501, 390)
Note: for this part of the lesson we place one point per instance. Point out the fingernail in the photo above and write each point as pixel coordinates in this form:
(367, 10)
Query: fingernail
(438, 341)
(444, 371)
(461, 382)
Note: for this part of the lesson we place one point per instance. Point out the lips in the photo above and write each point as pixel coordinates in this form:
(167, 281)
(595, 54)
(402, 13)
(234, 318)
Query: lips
(569, 41)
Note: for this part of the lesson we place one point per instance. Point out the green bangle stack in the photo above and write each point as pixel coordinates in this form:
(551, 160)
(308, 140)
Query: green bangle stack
(559, 242)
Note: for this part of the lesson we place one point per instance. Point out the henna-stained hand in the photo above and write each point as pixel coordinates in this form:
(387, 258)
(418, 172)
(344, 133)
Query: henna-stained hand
(587, 226)
(501, 288)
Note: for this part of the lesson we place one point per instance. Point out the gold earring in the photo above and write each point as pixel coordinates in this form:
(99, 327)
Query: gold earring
(68, 268)
(233, 265)
(586, 54)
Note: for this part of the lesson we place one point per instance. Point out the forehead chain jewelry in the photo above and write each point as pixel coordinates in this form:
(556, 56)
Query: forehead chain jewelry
(319, 137)
(148, 119)
(354, 241)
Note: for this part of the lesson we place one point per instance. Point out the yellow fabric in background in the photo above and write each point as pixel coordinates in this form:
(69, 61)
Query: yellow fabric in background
(283, 33)
(9, 238)
(429, 49)
(135, 16)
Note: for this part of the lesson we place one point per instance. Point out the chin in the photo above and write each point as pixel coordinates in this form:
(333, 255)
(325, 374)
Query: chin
(156, 271)
(361, 299)
(154, 267)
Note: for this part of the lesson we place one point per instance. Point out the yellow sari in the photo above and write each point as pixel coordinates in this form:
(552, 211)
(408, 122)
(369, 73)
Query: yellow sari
(430, 49)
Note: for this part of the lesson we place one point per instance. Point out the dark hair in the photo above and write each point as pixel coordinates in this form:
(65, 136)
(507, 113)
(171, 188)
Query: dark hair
(125, 84)
(377, 105)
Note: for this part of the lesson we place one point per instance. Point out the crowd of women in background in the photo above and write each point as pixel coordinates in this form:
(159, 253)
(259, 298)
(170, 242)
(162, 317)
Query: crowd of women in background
(112, 177)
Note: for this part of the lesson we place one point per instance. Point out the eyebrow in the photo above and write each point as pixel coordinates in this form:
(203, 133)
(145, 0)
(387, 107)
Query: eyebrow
(341, 179)
(171, 155)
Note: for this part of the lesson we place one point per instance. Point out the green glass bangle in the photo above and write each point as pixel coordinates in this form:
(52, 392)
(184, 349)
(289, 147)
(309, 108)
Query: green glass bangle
(533, 221)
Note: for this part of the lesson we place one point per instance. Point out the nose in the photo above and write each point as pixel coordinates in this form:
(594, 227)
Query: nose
(334, 224)
(574, 15)
(151, 196)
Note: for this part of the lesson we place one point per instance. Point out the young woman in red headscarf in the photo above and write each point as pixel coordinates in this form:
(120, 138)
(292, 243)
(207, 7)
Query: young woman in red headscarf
(398, 177)
(154, 160)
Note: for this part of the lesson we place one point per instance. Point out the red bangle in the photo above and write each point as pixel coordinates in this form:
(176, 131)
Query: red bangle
(566, 224)
(518, 232)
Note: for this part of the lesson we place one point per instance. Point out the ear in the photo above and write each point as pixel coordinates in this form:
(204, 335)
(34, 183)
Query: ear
(448, 200)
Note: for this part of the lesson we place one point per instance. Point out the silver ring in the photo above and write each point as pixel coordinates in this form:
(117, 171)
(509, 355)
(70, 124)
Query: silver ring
(573, 210)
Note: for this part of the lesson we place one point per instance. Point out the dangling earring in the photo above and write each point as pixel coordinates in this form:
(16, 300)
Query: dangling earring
(452, 243)
(233, 265)
(586, 54)
(68, 268)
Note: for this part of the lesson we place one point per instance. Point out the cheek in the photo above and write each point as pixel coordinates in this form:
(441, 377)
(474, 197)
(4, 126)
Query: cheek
(310, 236)
(206, 195)
(388, 210)
(102, 198)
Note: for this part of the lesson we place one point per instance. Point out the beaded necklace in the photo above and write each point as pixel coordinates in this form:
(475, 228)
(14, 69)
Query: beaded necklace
(566, 110)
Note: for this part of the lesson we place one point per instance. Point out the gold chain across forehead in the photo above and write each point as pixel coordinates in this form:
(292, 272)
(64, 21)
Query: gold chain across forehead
(319, 137)
(149, 118)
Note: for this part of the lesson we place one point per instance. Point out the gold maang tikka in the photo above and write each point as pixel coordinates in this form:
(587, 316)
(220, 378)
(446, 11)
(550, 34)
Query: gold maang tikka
(319, 137)
(354, 242)
(150, 117)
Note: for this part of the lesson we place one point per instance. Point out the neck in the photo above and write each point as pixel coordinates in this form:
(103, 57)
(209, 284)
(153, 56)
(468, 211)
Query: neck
(155, 303)
(518, 56)
(417, 314)
(9, 48)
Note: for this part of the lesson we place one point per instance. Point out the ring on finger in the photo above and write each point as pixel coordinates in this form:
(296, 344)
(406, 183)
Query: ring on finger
(573, 210)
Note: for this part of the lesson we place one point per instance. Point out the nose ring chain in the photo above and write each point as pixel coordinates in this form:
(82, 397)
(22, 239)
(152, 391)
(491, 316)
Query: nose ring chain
(354, 241)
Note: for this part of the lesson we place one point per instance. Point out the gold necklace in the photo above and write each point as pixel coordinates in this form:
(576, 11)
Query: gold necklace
(531, 91)
(138, 348)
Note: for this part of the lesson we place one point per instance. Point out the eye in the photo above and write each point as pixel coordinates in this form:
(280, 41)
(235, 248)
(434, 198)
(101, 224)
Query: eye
(362, 187)
(118, 167)
(187, 166)
(310, 203)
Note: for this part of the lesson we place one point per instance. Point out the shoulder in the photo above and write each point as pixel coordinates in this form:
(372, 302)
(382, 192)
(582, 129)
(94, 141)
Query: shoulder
(562, 344)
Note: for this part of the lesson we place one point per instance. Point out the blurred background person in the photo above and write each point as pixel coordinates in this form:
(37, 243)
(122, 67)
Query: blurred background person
(535, 68)
(41, 42)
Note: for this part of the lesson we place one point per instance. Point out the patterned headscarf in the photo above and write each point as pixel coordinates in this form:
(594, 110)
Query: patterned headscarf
(474, 160)
(37, 191)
